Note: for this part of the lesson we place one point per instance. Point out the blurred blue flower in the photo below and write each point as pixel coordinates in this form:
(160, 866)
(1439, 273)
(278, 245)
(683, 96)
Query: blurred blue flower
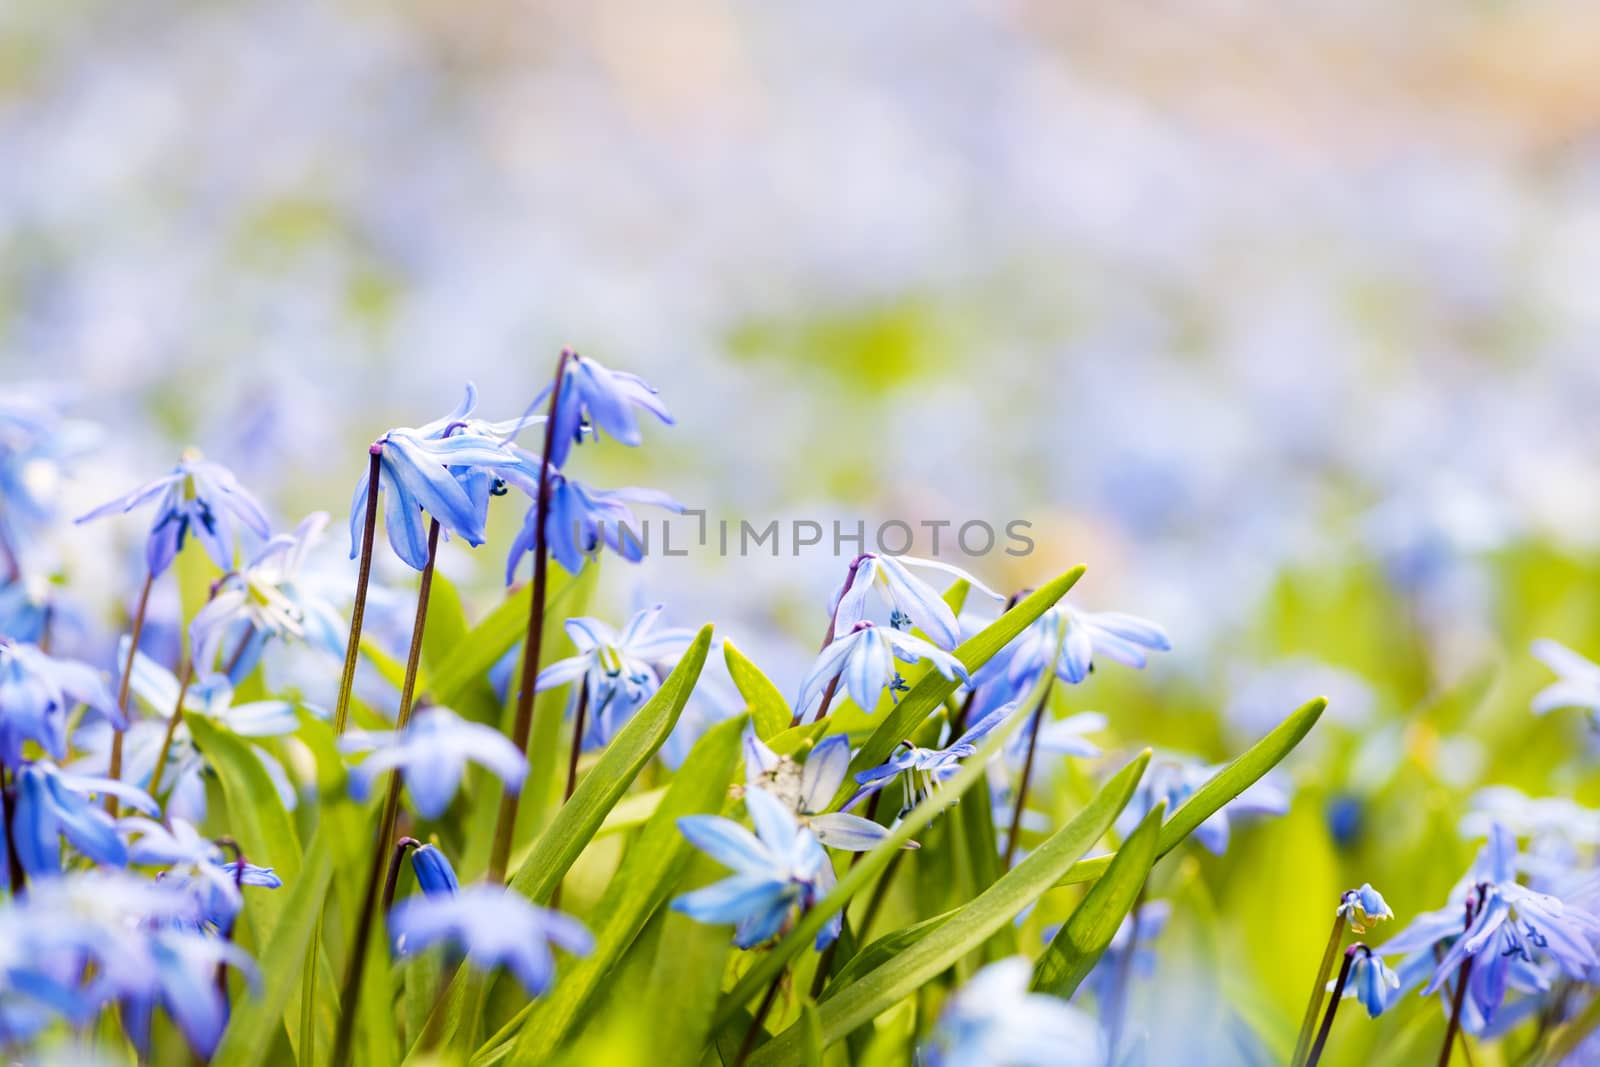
(421, 469)
(994, 1019)
(36, 440)
(1057, 737)
(196, 864)
(912, 601)
(778, 869)
(618, 669)
(922, 770)
(52, 804)
(579, 520)
(264, 600)
(37, 691)
(434, 874)
(1173, 780)
(1578, 684)
(433, 752)
(808, 790)
(594, 398)
(198, 496)
(1068, 640)
(492, 926)
(1131, 951)
(181, 977)
(864, 659)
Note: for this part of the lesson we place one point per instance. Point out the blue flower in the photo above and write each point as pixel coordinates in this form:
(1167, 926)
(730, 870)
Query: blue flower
(579, 520)
(196, 864)
(1173, 780)
(1578, 684)
(421, 469)
(52, 804)
(35, 440)
(864, 659)
(923, 770)
(1067, 640)
(778, 869)
(1371, 981)
(37, 692)
(994, 1019)
(182, 978)
(617, 669)
(434, 874)
(198, 496)
(492, 927)
(594, 398)
(912, 601)
(1364, 906)
(265, 600)
(1131, 951)
(808, 790)
(433, 752)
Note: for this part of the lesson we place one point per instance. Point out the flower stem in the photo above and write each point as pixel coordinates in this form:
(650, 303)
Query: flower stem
(1027, 771)
(506, 824)
(1333, 1005)
(748, 1045)
(391, 811)
(401, 847)
(1318, 990)
(19, 878)
(1462, 977)
(114, 770)
(172, 729)
(827, 639)
(358, 611)
(577, 739)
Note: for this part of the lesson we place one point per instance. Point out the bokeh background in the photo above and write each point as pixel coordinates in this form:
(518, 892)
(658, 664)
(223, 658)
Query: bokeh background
(1280, 319)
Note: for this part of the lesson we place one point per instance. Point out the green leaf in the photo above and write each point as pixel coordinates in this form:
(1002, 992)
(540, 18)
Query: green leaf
(1226, 784)
(253, 1026)
(881, 951)
(649, 872)
(811, 1044)
(901, 977)
(1082, 940)
(559, 846)
(932, 690)
(768, 708)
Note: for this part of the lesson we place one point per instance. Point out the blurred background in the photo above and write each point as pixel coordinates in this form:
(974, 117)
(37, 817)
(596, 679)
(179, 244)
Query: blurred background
(1282, 320)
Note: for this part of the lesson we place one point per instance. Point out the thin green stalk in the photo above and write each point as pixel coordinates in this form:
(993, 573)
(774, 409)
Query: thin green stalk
(1319, 987)
(114, 769)
(1333, 1005)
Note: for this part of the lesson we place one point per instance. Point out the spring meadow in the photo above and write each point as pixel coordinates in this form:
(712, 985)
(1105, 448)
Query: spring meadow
(736, 535)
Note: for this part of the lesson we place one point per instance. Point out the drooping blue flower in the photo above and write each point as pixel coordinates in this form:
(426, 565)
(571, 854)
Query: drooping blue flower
(52, 804)
(864, 661)
(265, 600)
(1363, 907)
(780, 868)
(182, 979)
(37, 691)
(618, 669)
(580, 521)
(1173, 780)
(922, 770)
(198, 496)
(808, 790)
(492, 927)
(1370, 981)
(595, 398)
(912, 601)
(1068, 640)
(197, 864)
(433, 752)
(994, 1019)
(1577, 684)
(434, 874)
(421, 469)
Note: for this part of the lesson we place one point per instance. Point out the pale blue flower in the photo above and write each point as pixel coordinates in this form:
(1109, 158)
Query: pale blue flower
(1173, 780)
(197, 864)
(433, 752)
(780, 868)
(619, 669)
(52, 804)
(912, 601)
(1068, 640)
(1363, 907)
(198, 496)
(864, 661)
(37, 692)
(580, 521)
(594, 399)
(994, 1019)
(922, 770)
(1370, 981)
(1577, 684)
(492, 926)
(808, 790)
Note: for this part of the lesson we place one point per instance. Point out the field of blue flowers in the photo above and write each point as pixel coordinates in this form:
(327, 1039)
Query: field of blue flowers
(1060, 537)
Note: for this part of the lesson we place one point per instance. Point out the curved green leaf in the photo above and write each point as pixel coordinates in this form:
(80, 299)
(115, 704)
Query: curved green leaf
(768, 708)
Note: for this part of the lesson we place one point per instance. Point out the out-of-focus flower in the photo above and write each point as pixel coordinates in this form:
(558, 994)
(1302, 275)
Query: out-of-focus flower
(993, 1019)
(198, 496)
(1131, 951)
(594, 398)
(618, 669)
(1578, 684)
(1057, 737)
(492, 927)
(36, 441)
(52, 804)
(433, 752)
(36, 693)
(434, 874)
(864, 659)
(1173, 780)
(779, 868)
(912, 601)
(809, 788)
(580, 520)
(922, 770)
(265, 600)
(197, 864)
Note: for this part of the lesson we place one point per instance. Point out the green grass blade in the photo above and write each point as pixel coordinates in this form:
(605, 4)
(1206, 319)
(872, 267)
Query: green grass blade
(768, 708)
